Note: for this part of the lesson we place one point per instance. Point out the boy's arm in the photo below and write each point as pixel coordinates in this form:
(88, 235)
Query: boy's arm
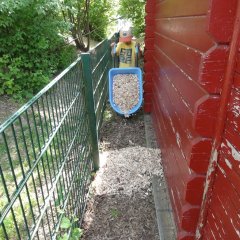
(139, 50)
(118, 48)
(112, 46)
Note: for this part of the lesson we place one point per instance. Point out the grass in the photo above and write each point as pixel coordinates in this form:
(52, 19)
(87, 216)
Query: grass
(21, 166)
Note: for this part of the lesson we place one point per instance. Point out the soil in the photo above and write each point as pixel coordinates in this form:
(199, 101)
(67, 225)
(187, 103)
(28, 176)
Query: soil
(121, 204)
(7, 107)
(118, 132)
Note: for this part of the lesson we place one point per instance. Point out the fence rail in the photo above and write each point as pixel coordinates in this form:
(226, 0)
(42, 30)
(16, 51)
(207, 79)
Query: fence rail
(49, 149)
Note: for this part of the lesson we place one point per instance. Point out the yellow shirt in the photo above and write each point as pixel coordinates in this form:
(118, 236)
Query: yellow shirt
(126, 53)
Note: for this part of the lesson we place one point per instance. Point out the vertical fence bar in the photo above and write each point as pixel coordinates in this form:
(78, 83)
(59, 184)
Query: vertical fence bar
(88, 87)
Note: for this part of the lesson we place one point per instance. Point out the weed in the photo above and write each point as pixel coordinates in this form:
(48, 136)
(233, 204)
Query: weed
(107, 116)
(115, 213)
(68, 230)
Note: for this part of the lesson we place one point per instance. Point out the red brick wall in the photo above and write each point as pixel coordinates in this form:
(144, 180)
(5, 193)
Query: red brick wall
(187, 46)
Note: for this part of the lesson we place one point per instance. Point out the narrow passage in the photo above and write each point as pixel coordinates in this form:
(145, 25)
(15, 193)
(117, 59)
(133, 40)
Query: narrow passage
(121, 204)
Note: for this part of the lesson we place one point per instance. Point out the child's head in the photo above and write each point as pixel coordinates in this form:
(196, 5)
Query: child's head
(125, 35)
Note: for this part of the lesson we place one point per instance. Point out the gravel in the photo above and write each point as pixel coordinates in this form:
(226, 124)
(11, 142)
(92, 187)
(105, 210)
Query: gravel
(125, 91)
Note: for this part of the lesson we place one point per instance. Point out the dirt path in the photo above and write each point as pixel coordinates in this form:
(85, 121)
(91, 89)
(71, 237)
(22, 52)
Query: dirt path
(121, 204)
(7, 107)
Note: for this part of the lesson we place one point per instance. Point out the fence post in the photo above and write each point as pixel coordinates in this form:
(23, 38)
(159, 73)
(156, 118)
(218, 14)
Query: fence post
(89, 98)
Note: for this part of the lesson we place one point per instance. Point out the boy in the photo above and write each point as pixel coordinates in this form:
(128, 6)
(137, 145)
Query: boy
(126, 49)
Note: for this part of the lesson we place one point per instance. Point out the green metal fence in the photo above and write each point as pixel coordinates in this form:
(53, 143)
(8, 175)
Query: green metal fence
(49, 149)
(101, 60)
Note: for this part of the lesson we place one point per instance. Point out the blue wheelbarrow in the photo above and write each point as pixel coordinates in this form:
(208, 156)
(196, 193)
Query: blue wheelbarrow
(133, 70)
(115, 71)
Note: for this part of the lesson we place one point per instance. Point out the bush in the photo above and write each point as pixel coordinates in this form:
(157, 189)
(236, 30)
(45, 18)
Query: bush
(30, 45)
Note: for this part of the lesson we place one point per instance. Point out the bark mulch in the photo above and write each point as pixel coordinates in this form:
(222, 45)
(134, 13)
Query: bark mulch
(121, 204)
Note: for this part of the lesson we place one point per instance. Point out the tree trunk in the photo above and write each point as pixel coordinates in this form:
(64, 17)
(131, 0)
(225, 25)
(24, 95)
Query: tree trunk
(80, 23)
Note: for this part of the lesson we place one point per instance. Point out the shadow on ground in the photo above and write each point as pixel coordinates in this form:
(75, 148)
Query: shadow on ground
(119, 132)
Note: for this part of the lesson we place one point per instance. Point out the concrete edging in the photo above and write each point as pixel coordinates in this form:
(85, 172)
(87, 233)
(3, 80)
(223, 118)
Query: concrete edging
(164, 213)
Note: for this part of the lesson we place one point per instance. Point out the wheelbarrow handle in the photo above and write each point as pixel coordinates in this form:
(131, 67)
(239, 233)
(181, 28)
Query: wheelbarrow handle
(136, 51)
(115, 55)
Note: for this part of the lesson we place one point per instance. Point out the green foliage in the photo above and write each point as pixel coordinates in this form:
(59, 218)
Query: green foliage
(76, 14)
(88, 19)
(76, 233)
(99, 18)
(134, 10)
(67, 56)
(30, 45)
(66, 225)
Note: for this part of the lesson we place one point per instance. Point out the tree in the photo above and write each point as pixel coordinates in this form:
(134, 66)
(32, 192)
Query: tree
(76, 13)
(134, 10)
(32, 44)
(100, 15)
(87, 19)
